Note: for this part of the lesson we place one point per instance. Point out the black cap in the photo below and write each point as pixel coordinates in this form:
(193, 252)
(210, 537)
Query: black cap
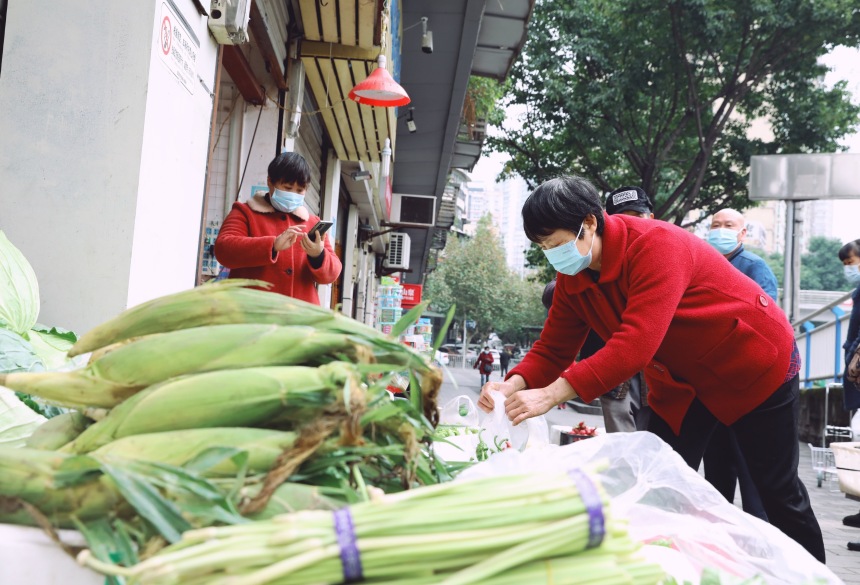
(628, 199)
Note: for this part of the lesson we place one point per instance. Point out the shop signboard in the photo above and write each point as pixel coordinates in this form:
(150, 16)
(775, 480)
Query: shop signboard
(411, 295)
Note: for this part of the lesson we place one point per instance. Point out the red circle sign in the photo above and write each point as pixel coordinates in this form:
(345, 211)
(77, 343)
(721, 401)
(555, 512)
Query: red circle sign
(166, 36)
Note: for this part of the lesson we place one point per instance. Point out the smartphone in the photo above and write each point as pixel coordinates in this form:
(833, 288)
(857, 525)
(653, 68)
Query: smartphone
(321, 227)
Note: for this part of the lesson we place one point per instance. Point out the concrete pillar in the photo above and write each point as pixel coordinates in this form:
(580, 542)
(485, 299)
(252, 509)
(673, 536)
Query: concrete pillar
(328, 210)
(350, 258)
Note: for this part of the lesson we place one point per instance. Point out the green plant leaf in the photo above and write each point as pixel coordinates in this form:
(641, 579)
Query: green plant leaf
(109, 543)
(415, 395)
(75, 470)
(409, 318)
(163, 514)
(443, 331)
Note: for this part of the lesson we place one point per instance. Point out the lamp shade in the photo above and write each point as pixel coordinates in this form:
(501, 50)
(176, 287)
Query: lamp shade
(380, 89)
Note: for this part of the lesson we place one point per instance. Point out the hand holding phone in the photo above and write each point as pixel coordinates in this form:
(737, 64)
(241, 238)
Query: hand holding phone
(313, 244)
(321, 227)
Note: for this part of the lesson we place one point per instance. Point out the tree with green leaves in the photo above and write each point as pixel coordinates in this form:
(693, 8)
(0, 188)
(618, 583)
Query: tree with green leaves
(543, 272)
(821, 268)
(662, 94)
(473, 275)
(524, 309)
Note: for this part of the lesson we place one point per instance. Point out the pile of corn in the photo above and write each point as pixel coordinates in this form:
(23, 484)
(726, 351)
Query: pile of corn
(249, 391)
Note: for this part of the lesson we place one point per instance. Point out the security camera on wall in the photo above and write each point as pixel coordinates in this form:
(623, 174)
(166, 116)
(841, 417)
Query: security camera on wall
(228, 21)
(426, 37)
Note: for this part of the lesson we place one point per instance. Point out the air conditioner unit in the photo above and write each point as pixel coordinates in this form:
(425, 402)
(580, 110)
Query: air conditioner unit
(413, 210)
(399, 247)
(228, 21)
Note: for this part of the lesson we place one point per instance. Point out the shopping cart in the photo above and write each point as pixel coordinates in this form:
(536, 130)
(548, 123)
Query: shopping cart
(823, 464)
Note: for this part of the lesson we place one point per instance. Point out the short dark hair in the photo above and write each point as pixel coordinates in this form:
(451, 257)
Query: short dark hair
(290, 167)
(561, 203)
(548, 293)
(850, 249)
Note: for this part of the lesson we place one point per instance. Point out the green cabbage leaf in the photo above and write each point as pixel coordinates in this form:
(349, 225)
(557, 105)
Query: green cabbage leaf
(51, 344)
(19, 290)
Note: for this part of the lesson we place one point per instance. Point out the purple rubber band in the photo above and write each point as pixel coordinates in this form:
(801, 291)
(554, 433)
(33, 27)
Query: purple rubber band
(593, 505)
(350, 557)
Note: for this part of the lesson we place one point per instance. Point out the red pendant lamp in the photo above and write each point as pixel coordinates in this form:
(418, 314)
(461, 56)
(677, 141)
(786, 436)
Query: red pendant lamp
(380, 89)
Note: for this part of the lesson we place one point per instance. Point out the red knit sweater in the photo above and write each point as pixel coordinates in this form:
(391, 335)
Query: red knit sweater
(668, 304)
(244, 245)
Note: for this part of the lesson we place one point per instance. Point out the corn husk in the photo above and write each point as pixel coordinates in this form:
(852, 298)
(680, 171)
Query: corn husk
(119, 374)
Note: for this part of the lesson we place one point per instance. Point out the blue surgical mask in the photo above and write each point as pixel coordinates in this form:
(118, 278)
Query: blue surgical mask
(852, 274)
(286, 201)
(567, 259)
(723, 239)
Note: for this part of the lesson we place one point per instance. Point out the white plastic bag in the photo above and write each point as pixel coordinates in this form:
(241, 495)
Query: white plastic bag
(459, 417)
(459, 411)
(497, 433)
(538, 431)
(668, 503)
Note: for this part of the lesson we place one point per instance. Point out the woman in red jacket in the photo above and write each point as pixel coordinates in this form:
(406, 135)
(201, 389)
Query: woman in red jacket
(267, 237)
(484, 364)
(713, 346)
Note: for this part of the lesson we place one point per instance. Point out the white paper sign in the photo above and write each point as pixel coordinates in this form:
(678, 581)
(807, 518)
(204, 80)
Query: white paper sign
(178, 47)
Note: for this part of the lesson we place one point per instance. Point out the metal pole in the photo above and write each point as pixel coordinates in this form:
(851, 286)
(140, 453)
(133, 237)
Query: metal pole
(464, 341)
(787, 276)
(795, 258)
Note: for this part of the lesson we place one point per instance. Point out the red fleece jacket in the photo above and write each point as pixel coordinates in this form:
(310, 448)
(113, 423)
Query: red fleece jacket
(244, 245)
(671, 305)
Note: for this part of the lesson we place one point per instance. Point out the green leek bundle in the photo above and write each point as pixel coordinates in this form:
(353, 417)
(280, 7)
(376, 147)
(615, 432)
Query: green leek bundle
(501, 530)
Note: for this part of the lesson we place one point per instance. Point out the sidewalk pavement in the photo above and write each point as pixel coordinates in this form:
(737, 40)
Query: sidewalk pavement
(829, 503)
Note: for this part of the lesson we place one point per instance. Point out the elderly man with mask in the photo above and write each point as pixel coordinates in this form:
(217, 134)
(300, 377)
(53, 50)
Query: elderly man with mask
(728, 230)
(725, 466)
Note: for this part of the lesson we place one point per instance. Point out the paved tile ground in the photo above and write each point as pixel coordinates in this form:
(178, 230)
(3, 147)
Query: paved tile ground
(829, 503)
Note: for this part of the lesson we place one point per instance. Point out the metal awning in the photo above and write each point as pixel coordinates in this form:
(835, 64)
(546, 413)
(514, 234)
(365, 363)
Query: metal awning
(502, 36)
(341, 43)
(472, 37)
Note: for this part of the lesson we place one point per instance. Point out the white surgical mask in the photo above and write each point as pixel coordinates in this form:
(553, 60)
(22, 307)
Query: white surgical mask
(286, 201)
(723, 239)
(567, 258)
(852, 274)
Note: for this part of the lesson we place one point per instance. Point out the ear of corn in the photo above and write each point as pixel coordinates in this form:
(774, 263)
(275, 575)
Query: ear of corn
(119, 374)
(179, 447)
(224, 302)
(31, 475)
(228, 398)
(58, 431)
(292, 497)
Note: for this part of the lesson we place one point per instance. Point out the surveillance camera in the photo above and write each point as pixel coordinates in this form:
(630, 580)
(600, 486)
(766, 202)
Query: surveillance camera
(410, 121)
(427, 42)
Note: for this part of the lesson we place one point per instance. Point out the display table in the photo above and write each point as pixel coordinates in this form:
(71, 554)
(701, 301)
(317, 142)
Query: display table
(28, 556)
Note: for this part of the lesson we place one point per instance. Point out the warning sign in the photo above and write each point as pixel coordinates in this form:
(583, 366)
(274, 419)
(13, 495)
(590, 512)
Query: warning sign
(178, 46)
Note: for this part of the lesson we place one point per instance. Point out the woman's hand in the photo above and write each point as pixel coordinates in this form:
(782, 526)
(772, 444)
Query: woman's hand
(287, 238)
(508, 387)
(530, 403)
(313, 246)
